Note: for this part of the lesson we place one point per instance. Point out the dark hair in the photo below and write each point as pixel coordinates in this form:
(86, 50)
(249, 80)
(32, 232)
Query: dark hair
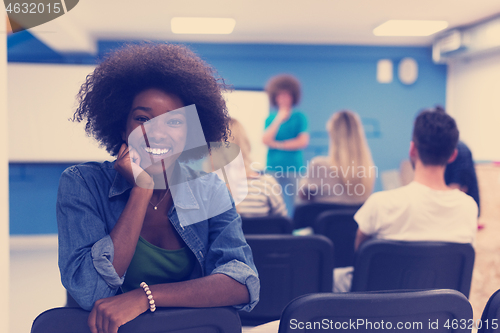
(285, 82)
(435, 136)
(105, 99)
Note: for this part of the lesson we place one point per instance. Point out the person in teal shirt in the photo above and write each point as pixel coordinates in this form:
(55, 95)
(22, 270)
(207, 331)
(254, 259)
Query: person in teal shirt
(285, 134)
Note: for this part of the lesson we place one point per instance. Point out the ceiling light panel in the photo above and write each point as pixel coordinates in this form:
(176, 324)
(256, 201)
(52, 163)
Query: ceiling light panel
(409, 28)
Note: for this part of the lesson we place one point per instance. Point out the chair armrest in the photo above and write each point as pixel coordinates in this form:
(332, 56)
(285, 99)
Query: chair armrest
(189, 320)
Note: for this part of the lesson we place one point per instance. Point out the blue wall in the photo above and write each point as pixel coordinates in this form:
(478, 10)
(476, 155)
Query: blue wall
(32, 197)
(333, 78)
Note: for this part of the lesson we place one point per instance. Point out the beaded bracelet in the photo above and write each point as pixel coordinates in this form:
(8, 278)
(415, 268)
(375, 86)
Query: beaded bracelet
(152, 306)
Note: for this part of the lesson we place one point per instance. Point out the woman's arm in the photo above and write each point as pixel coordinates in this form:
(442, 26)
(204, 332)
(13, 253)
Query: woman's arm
(92, 259)
(231, 280)
(85, 249)
(270, 132)
(126, 232)
(127, 229)
(210, 291)
(228, 252)
(91, 262)
(300, 142)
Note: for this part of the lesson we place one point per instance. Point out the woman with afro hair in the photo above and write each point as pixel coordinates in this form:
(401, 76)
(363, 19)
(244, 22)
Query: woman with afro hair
(146, 230)
(285, 134)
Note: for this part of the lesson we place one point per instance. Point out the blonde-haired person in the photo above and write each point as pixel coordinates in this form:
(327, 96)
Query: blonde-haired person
(347, 174)
(264, 193)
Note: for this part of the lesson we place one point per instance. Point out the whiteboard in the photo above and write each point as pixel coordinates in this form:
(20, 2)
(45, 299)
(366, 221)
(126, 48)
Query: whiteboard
(472, 98)
(42, 99)
(251, 109)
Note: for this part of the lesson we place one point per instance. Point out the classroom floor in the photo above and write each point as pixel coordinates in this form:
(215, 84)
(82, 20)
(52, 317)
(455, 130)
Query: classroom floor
(35, 284)
(486, 276)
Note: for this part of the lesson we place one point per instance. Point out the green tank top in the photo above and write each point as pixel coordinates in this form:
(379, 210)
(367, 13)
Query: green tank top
(155, 265)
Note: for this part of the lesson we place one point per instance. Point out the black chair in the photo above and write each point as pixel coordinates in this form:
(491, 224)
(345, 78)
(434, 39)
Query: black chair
(389, 265)
(288, 266)
(273, 224)
(306, 214)
(490, 320)
(410, 311)
(339, 226)
(70, 301)
(164, 320)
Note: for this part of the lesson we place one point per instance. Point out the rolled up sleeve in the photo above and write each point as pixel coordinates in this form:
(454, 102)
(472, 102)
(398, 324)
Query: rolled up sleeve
(242, 273)
(102, 257)
(85, 248)
(229, 253)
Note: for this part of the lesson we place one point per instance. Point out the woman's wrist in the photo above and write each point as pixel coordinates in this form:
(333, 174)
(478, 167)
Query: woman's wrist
(146, 193)
(149, 296)
(142, 299)
(277, 121)
(278, 145)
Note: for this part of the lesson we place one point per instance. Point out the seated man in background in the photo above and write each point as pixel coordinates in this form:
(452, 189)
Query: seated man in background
(426, 209)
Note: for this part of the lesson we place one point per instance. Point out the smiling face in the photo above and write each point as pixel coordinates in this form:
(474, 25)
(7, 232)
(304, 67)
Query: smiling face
(156, 129)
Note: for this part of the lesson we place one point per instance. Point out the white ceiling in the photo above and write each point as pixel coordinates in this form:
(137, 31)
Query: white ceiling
(257, 21)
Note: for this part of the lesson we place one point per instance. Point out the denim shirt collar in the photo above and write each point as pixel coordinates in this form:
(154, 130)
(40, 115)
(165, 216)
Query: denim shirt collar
(184, 197)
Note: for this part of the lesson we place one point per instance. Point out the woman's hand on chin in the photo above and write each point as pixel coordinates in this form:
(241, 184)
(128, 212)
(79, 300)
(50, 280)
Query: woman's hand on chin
(282, 116)
(128, 165)
(108, 314)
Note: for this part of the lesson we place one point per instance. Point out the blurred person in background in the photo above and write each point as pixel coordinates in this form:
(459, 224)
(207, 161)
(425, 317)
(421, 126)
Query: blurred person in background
(264, 196)
(286, 134)
(347, 175)
(427, 209)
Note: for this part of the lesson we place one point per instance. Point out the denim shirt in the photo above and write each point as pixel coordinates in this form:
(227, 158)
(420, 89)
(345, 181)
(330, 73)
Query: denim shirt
(91, 198)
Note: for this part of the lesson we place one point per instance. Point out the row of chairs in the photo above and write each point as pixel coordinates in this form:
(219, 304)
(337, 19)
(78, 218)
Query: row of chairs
(288, 267)
(335, 222)
(291, 266)
(304, 216)
(440, 310)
